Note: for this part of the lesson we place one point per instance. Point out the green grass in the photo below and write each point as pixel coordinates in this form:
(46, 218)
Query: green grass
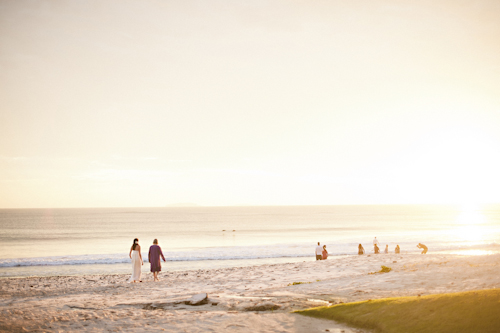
(472, 311)
(296, 283)
(384, 269)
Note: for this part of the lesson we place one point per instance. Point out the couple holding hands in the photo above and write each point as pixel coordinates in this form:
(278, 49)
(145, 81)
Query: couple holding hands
(153, 258)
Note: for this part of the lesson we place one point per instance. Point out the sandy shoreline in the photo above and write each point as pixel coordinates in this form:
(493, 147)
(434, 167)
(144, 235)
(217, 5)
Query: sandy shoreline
(105, 303)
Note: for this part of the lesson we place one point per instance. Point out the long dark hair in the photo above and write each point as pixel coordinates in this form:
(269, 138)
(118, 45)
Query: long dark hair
(135, 243)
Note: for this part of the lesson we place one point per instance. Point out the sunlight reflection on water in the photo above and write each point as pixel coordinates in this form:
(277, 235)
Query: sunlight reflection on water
(473, 252)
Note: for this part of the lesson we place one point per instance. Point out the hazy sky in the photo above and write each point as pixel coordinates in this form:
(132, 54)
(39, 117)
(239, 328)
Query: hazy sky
(225, 102)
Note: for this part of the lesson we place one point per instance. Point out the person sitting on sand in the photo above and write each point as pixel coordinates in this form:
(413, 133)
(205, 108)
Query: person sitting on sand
(375, 243)
(319, 252)
(397, 250)
(324, 253)
(422, 246)
(361, 250)
(154, 259)
(376, 249)
(386, 249)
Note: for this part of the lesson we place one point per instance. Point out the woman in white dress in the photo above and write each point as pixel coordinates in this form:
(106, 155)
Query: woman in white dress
(135, 255)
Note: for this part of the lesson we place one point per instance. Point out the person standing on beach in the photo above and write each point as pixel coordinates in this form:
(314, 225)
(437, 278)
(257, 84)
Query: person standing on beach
(319, 252)
(375, 244)
(361, 250)
(386, 249)
(376, 249)
(397, 250)
(135, 255)
(324, 253)
(154, 259)
(422, 246)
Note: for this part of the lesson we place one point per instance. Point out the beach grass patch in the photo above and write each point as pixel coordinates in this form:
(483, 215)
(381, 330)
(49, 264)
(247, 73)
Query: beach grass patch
(296, 283)
(464, 312)
(384, 269)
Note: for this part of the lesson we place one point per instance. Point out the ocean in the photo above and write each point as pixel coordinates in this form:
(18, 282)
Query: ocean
(46, 242)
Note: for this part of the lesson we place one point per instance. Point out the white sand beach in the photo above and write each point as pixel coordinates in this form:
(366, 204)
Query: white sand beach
(247, 299)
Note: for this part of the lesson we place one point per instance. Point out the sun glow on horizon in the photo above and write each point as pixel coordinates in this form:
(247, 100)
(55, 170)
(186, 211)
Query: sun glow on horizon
(471, 224)
(471, 214)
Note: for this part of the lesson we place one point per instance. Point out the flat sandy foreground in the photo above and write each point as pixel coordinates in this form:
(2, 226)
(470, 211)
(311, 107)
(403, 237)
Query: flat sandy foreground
(238, 297)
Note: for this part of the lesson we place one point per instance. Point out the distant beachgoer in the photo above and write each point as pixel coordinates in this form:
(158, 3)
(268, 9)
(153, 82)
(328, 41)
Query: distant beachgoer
(397, 250)
(375, 242)
(386, 249)
(376, 249)
(324, 252)
(319, 252)
(422, 246)
(154, 259)
(135, 255)
(361, 250)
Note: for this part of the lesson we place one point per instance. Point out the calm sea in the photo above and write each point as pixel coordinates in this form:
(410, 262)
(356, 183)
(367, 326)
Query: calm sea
(97, 240)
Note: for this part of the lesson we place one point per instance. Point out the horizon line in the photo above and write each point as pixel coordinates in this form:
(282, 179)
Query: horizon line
(251, 205)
